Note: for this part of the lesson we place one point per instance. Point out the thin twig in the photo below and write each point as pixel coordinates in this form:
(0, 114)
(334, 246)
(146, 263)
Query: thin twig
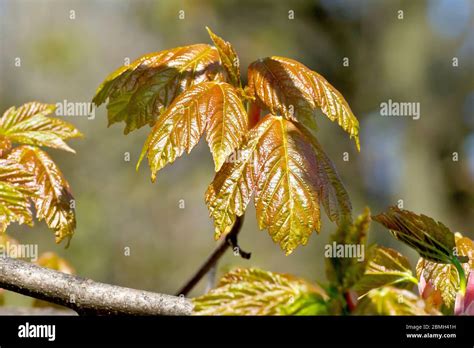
(230, 241)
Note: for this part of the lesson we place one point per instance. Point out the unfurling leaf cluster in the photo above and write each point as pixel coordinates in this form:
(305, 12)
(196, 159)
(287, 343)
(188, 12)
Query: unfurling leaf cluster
(271, 152)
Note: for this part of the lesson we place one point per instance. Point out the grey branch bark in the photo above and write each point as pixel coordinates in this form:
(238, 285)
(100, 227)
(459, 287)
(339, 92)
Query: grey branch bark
(85, 296)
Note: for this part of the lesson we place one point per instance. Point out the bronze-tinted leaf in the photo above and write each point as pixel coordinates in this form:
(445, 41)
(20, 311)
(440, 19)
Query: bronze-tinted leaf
(385, 267)
(432, 240)
(278, 162)
(14, 206)
(15, 173)
(53, 200)
(392, 301)
(211, 106)
(32, 124)
(227, 123)
(444, 278)
(229, 58)
(138, 93)
(5, 146)
(465, 248)
(287, 87)
(257, 292)
(231, 190)
(14, 194)
(286, 192)
(332, 193)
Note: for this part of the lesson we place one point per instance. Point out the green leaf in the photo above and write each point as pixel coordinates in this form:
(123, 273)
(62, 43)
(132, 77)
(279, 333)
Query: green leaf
(138, 93)
(445, 277)
(345, 272)
(257, 292)
(385, 267)
(32, 124)
(213, 107)
(53, 201)
(278, 162)
(229, 58)
(392, 301)
(431, 239)
(287, 87)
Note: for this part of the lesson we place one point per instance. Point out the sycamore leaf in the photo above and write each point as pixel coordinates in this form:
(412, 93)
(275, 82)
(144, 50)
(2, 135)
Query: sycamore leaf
(209, 106)
(385, 267)
(138, 93)
(5, 146)
(53, 201)
(14, 206)
(227, 123)
(444, 278)
(14, 194)
(257, 292)
(287, 87)
(332, 192)
(465, 251)
(15, 173)
(228, 57)
(431, 239)
(392, 301)
(278, 162)
(32, 124)
(344, 272)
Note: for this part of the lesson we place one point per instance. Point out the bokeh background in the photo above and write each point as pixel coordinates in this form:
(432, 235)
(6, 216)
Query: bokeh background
(407, 59)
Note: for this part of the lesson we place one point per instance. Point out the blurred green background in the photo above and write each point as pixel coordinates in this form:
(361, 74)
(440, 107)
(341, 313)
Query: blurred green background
(407, 59)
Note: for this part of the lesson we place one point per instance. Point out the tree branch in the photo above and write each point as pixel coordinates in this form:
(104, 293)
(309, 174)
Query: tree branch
(84, 295)
(230, 241)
